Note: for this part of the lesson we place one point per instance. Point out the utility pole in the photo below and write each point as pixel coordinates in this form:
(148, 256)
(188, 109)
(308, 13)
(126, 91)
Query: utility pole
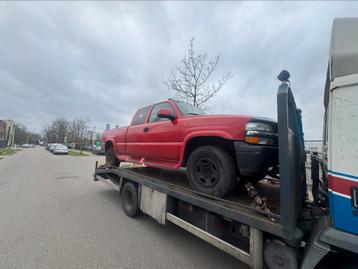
(13, 135)
(93, 134)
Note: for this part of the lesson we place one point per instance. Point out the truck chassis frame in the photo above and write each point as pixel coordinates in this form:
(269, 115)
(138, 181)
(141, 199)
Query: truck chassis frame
(158, 196)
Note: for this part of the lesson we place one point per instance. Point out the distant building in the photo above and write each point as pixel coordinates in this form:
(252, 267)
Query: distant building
(7, 131)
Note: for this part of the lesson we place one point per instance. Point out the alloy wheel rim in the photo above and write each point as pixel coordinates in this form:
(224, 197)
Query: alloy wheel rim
(207, 172)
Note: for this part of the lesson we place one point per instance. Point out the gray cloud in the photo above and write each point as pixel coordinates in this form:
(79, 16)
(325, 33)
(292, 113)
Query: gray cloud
(102, 61)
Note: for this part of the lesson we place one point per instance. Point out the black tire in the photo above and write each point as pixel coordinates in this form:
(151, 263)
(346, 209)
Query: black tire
(129, 198)
(111, 159)
(211, 170)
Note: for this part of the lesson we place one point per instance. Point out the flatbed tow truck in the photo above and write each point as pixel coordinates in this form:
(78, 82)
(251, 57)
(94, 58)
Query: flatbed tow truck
(272, 224)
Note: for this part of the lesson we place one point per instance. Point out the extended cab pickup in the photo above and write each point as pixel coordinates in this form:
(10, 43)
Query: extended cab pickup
(215, 149)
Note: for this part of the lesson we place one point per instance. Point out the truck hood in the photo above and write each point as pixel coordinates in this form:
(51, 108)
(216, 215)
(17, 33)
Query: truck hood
(225, 116)
(217, 116)
(231, 126)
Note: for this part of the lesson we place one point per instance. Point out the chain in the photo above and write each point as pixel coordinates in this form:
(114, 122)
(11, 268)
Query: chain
(259, 202)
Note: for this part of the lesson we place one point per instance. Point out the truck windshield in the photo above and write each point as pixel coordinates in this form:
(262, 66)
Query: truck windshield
(188, 109)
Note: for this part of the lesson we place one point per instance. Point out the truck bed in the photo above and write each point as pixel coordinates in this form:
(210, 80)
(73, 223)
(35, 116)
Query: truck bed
(238, 206)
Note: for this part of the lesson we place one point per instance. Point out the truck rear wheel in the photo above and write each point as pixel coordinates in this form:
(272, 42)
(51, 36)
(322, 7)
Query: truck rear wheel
(211, 170)
(130, 199)
(111, 159)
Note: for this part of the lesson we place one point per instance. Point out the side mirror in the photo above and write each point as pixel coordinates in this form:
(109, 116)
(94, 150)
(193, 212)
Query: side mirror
(166, 113)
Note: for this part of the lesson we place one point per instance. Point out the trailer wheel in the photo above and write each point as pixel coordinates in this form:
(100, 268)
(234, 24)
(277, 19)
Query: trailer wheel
(278, 255)
(130, 199)
(111, 159)
(211, 170)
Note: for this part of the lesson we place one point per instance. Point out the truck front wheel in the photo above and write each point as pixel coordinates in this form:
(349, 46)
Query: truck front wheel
(111, 159)
(211, 170)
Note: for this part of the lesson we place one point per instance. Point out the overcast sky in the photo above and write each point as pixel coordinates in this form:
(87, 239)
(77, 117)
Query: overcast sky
(102, 61)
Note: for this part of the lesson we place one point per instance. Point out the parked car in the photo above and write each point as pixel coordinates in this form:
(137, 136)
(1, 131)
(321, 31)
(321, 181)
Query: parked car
(87, 147)
(52, 146)
(215, 149)
(26, 145)
(98, 149)
(71, 145)
(60, 149)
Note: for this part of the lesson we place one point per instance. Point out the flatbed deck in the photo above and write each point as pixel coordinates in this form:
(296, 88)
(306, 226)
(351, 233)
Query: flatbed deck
(237, 206)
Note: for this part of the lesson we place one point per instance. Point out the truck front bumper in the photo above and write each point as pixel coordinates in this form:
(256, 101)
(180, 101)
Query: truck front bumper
(341, 239)
(254, 160)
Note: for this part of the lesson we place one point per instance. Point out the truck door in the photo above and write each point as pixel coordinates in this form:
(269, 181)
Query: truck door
(135, 134)
(161, 135)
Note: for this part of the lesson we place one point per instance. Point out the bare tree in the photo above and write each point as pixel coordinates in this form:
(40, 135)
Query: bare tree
(78, 129)
(49, 134)
(190, 80)
(60, 129)
(22, 135)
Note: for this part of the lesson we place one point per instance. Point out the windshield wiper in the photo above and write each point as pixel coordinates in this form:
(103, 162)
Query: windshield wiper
(196, 114)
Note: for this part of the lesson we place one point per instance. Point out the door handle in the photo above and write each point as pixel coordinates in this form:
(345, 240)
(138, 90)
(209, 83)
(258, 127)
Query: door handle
(146, 129)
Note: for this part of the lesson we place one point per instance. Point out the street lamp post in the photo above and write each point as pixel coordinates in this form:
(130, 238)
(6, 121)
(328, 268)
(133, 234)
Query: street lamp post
(27, 140)
(13, 136)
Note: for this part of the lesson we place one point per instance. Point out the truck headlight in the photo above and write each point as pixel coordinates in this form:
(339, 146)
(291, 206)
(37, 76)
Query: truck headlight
(260, 133)
(259, 126)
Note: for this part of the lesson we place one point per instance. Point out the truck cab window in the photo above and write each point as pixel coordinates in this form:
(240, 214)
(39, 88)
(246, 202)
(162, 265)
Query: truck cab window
(154, 115)
(139, 117)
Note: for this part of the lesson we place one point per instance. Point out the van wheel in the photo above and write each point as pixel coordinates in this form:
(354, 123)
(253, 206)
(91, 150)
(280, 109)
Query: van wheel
(211, 170)
(130, 199)
(111, 159)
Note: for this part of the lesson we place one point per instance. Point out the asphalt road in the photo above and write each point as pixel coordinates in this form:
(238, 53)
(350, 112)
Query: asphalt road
(53, 215)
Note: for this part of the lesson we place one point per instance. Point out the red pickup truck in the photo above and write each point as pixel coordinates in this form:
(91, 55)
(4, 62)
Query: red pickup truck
(216, 150)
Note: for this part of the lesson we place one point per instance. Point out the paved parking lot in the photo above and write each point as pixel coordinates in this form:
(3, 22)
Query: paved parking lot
(54, 216)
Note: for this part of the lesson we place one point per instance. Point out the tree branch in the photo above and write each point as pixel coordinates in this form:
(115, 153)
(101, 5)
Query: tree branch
(190, 80)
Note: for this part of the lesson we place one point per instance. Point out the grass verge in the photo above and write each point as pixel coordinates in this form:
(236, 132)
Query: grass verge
(8, 151)
(77, 153)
